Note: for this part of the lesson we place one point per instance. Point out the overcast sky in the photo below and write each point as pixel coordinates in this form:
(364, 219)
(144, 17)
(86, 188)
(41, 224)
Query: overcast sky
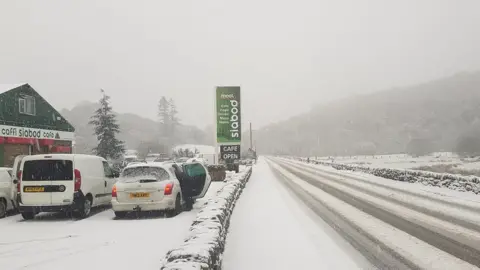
(286, 55)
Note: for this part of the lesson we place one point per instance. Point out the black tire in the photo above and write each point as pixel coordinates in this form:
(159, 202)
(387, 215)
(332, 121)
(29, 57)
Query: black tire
(28, 215)
(178, 207)
(119, 214)
(84, 210)
(3, 208)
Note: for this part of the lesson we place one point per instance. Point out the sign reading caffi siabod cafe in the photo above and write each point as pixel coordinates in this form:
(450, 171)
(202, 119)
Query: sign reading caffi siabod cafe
(228, 115)
(35, 133)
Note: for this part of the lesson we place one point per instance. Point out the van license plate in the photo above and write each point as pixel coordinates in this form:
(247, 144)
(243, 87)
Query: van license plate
(140, 195)
(34, 189)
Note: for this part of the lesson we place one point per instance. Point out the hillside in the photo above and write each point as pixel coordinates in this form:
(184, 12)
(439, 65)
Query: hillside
(134, 129)
(437, 112)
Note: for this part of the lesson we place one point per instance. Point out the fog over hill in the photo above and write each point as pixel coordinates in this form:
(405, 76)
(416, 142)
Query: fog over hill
(134, 129)
(436, 113)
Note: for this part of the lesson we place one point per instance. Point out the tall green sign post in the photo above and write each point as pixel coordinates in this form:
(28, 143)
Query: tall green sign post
(228, 125)
(228, 115)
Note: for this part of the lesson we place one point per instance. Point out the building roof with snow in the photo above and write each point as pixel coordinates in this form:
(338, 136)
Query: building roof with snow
(7, 87)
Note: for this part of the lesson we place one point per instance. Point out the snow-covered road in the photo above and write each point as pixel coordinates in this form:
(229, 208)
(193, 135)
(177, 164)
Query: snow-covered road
(395, 224)
(53, 241)
(271, 229)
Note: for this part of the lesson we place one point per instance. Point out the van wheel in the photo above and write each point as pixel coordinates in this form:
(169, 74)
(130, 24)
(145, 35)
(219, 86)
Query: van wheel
(178, 207)
(84, 210)
(3, 208)
(28, 215)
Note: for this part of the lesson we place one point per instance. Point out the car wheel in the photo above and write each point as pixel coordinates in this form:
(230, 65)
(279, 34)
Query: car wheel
(84, 210)
(119, 214)
(178, 207)
(3, 208)
(28, 215)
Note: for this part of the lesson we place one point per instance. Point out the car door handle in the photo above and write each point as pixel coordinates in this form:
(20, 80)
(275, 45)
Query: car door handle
(105, 183)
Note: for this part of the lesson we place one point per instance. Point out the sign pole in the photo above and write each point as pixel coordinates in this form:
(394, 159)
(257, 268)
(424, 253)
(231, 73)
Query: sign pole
(251, 138)
(216, 156)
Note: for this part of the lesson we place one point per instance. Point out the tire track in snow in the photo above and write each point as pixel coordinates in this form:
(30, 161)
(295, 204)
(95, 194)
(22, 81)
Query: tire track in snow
(458, 249)
(425, 205)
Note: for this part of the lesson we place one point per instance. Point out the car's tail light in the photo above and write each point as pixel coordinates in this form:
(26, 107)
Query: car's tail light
(114, 191)
(19, 178)
(78, 180)
(168, 189)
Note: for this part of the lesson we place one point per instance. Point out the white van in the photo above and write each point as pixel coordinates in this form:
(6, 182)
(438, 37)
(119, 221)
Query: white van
(64, 182)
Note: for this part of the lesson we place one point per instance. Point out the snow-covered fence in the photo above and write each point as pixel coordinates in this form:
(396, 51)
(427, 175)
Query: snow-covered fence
(203, 248)
(451, 181)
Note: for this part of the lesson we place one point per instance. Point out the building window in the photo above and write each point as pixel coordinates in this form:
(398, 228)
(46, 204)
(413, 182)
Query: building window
(26, 105)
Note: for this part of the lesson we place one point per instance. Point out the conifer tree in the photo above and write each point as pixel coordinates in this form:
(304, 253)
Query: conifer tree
(106, 130)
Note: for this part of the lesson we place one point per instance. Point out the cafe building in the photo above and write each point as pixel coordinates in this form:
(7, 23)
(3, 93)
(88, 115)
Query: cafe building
(29, 125)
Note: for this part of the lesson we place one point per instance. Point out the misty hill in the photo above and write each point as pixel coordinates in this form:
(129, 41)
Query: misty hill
(437, 113)
(134, 129)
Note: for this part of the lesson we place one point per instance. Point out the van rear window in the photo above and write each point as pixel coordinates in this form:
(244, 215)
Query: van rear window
(47, 170)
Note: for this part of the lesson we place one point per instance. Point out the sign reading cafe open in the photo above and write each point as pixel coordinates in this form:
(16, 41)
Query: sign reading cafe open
(228, 116)
(35, 133)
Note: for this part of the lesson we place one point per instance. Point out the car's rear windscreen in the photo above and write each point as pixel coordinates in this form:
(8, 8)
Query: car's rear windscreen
(47, 170)
(144, 171)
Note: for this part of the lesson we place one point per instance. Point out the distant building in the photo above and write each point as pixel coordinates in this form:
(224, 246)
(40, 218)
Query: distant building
(30, 125)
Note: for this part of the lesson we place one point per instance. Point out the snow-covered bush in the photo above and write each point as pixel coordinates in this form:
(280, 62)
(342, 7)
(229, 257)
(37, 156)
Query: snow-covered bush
(203, 248)
(451, 181)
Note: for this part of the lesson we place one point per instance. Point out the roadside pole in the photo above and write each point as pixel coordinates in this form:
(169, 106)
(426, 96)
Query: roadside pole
(216, 156)
(251, 139)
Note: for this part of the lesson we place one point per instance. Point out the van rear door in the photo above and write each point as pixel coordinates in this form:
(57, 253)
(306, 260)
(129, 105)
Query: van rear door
(34, 183)
(63, 181)
(47, 181)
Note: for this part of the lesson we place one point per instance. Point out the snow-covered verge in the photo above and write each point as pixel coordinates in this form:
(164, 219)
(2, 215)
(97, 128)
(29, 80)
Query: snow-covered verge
(398, 161)
(204, 246)
(451, 181)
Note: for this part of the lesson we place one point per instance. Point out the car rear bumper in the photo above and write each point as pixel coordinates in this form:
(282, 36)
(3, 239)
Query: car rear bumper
(165, 204)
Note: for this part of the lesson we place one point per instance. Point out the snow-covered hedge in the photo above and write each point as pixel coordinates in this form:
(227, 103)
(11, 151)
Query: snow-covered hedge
(451, 181)
(203, 248)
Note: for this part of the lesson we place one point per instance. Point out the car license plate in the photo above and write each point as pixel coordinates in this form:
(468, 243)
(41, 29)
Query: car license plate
(34, 189)
(140, 195)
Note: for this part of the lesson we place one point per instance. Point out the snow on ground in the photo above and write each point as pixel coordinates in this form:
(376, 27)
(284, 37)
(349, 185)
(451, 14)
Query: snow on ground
(470, 166)
(448, 194)
(204, 246)
(399, 161)
(270, 229)
(53, 241)
(411, 248)
(441, 162)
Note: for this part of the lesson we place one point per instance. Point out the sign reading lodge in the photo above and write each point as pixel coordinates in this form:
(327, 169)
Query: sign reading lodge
(35, 133)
